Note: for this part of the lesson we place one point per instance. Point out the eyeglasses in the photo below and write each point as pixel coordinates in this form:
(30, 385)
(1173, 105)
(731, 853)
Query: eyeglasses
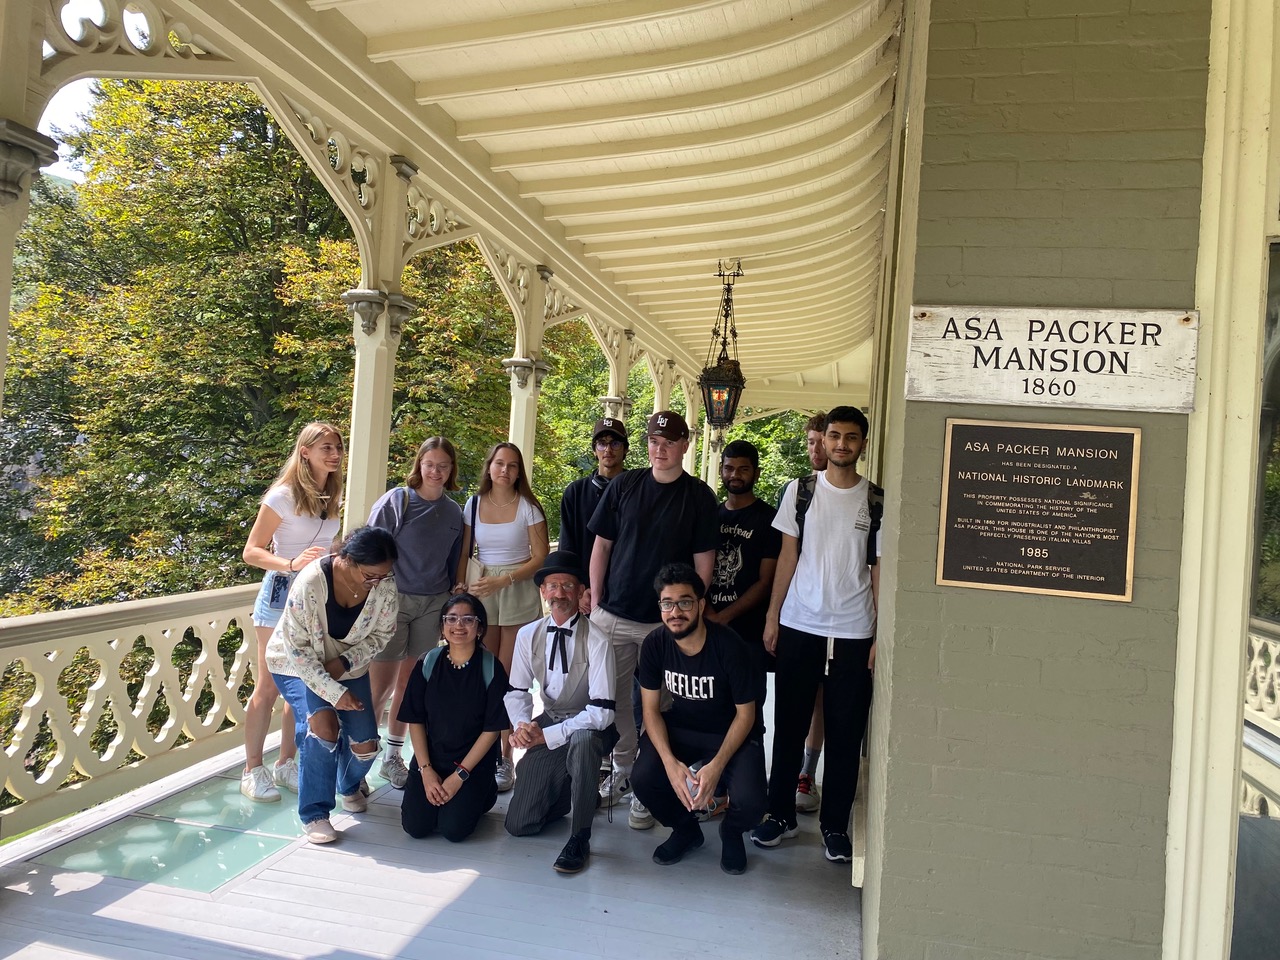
(371, 580)
(559, 587)
(466, 619)
(608, 444)
(684, 603)
(429, 467)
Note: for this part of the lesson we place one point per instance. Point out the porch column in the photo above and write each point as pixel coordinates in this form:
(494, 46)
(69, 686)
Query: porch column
(377, 319)
(617, 407)
(711, 451)
(662, 373)
(697, 427)
(23, 152)
(526, 385)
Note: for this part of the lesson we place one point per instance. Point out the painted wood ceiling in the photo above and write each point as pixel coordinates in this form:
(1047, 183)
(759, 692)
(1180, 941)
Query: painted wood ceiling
(660, 136)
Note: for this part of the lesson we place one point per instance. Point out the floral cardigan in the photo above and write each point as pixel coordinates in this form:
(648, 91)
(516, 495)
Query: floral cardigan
(297, 646)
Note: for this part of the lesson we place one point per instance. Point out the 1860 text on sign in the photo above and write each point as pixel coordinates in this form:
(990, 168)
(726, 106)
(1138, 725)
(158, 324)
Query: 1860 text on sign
(1054, 357)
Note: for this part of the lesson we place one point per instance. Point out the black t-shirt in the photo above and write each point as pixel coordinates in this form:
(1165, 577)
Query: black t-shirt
(650, 523)
(341, 619)
(705, 688)
(577, 504)
(455, 706)
(747, 537)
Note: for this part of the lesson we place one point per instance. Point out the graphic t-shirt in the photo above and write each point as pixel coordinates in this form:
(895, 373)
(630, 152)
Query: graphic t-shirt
(650, 523)
(746, 538)
(705, 688)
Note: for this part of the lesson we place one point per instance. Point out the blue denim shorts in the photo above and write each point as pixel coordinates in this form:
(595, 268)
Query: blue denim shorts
(268, 607)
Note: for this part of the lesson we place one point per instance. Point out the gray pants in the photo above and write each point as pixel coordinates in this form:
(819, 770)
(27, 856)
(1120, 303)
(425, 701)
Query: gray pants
(555, 782)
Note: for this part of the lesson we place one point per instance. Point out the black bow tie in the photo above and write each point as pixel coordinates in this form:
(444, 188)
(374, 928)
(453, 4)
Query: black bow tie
(558, 642)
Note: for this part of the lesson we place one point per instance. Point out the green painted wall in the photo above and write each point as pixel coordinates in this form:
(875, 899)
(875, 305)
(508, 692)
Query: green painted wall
(1025, 740)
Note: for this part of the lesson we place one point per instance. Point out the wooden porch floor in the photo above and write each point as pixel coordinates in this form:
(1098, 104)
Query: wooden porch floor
(377, 893)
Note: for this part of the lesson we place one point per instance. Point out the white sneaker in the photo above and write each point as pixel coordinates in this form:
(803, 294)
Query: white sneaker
(504, 775)
(615, 788)
(639, 818)
(285, 774)
(394, 770)
(355, 802)
(808, 797)
(320, 831)
(256, 785)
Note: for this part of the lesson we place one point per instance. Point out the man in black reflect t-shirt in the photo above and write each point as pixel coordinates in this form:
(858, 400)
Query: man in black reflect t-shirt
(713, 721)
(646, 518)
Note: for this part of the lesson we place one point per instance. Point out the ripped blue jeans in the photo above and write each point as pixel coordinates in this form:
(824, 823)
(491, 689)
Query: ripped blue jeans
(325, 769)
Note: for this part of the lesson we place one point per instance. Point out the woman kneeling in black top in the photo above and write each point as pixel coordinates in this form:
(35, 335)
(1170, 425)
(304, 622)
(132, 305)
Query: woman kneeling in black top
(453, 706)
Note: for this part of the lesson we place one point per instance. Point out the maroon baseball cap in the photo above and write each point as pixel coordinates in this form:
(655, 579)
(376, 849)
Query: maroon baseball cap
(669, 425)
(610, 425)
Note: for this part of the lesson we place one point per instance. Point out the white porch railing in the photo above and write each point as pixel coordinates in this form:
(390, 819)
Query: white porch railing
(1260, 774)
(187, 656)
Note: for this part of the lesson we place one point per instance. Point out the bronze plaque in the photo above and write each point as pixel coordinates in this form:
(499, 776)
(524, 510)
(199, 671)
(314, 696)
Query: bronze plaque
(1039, 508)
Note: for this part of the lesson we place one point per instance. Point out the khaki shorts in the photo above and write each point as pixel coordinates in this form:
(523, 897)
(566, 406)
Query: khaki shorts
(417, 627)
(512, 606)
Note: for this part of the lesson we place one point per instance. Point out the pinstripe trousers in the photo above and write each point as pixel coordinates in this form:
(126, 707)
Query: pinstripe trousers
(553, 783)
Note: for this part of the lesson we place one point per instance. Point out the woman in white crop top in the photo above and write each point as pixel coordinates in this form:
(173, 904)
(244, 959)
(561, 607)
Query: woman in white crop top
(504, 541)
(297, 523)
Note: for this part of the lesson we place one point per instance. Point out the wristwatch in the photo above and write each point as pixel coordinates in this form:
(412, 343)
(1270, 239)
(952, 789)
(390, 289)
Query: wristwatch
(463, 772)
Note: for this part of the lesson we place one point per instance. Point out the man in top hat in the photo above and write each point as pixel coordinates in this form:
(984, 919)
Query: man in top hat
(572, 661)
(646, 519)
(609, 445)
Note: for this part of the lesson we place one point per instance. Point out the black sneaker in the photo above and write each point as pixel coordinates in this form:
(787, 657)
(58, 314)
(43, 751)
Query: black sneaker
(573, 858)
(836, 846)
(733, 851)
(677, 845)
(771, 832)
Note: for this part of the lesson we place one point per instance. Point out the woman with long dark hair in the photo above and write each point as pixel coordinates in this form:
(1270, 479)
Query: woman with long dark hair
(341, 611)
(453, 705)
(504, 541)
(297, 523)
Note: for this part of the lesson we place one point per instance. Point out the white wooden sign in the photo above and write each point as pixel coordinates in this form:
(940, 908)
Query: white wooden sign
(1054, 357)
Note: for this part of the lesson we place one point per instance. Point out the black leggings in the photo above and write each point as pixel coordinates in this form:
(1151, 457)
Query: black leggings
(457, 819)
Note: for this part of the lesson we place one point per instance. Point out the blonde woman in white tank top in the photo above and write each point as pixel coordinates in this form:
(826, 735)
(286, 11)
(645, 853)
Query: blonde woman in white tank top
(297, 524)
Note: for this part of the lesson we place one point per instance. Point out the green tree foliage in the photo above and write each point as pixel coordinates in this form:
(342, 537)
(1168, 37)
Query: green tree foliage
(179, 318)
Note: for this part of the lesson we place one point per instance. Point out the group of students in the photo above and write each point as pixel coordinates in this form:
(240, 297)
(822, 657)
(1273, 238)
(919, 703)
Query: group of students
(423, 610)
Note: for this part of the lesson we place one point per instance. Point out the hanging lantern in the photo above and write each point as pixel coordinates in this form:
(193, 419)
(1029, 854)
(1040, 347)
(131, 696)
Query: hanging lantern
(722, 381)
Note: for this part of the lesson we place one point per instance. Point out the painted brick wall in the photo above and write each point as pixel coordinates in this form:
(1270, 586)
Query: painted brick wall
(1028, 738)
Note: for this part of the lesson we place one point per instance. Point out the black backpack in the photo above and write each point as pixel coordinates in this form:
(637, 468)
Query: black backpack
(875, 505)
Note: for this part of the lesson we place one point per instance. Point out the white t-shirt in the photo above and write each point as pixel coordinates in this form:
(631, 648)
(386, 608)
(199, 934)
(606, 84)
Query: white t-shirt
(503, 544)
(295, 532)
(830, 594)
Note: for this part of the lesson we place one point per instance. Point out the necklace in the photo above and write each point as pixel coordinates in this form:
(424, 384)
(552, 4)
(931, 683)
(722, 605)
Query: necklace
(355, 591)
(448, 652)
(498, 503)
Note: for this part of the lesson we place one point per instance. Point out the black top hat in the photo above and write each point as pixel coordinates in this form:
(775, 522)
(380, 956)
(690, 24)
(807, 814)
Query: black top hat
(560, 561)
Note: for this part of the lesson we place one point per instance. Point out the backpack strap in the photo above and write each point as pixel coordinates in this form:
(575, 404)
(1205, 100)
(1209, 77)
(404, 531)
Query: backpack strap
(429, 661)
(404, 510)
(875, 506)
(804, 497)
(487, 661)
(475, 547)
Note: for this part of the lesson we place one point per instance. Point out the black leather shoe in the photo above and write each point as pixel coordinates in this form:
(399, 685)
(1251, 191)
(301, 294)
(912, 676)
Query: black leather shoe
(573, 858)
(677, 845)
(733, 851)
